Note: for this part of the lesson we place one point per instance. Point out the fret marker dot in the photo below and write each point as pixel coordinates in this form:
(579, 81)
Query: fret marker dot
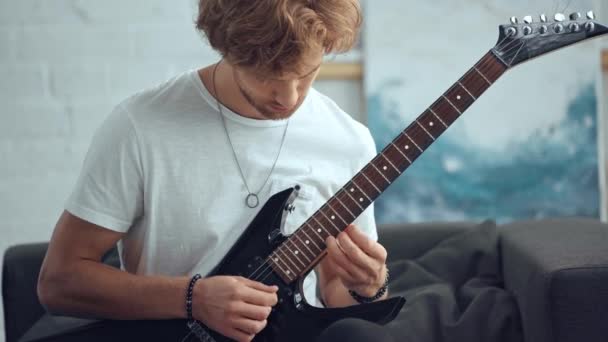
(319, 230)
(333, 217)
(407, 147)
(352, 189)
(431, 123)
(361, 199)
(295, 252)
(384, 168)
(458, 97)
(288, 272)
(307, 242)
(276, 259)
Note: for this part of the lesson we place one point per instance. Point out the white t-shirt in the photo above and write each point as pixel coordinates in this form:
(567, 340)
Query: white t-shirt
(161, 170)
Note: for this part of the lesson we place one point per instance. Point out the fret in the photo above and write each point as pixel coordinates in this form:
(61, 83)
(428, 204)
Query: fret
(391, 164)
(430, 122)
(450, 102)
(370, 182)
(427, 132)
(338, 230)
(287, 276)
(345, 207)
(438, 118)
(299, 251)
(304, 244)
(334, 213)
(467, 90)
(295, 268)
(285, 269)
(381, 174)
(409, 148)
(474, 83)
(403, 154)
(294, 254)
(459, 97)
(482, 75)
(354, 200)
(352, 190)
(491, 67)
(317, 232)
(413, 142)
(335, 205)
(309, 240)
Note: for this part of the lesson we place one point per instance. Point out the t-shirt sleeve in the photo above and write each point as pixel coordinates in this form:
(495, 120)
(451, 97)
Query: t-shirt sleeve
(109, 190)
(367, 221)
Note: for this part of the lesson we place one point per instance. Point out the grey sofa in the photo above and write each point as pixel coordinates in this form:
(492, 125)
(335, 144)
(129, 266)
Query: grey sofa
(556, 269)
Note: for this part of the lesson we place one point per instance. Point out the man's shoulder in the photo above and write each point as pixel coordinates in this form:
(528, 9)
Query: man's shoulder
(327, 106)
(343, 124)
(162, 94)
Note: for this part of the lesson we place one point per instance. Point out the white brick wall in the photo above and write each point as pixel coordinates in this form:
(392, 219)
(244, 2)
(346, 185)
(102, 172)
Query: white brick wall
(63, 66)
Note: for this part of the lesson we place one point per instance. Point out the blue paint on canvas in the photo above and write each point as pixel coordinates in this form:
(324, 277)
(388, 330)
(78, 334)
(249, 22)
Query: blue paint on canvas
(551, 173)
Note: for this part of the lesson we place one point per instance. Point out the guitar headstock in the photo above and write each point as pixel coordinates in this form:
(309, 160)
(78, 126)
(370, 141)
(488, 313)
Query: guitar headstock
(532, 37)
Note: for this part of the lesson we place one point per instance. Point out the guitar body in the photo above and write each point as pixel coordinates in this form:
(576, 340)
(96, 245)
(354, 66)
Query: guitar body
(292, 319)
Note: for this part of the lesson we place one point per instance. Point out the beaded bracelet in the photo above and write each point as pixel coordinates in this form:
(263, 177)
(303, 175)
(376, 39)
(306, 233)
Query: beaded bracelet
(193, 281)
(196, 327)
(363, 300)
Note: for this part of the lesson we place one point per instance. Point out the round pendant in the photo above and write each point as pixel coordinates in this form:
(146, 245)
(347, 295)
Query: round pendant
(252, 200)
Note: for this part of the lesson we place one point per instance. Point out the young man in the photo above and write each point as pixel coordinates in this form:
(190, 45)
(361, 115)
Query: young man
(176, 172)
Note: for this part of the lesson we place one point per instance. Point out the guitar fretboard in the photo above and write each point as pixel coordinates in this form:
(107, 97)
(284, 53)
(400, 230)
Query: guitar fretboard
(306, 246)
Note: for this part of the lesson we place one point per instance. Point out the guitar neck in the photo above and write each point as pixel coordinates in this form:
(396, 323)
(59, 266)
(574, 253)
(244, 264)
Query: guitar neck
(303, 249)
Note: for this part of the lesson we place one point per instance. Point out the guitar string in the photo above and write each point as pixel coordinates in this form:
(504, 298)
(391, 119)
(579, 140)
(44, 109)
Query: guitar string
(266, 263)
(268, 267)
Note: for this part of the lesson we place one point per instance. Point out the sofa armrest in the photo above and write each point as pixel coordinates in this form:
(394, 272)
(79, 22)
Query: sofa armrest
(558, 272)
(20, 271)
(19, 282)
(411, 240)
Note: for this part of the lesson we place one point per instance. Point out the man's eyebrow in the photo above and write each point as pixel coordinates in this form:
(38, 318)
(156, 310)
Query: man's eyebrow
(313, 70)
(308, 74)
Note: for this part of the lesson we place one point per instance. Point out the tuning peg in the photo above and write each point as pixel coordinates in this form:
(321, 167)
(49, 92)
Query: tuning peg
(528, 19)
(559, 17)
(559, 28)
(575, 16)
(574, 27)
(543, 18)
(589, 26)
(590, 15)
(511, 31)
(514, 20)
(543, 29)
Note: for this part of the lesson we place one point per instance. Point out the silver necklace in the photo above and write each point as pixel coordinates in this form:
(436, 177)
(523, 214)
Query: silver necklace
(252, 200)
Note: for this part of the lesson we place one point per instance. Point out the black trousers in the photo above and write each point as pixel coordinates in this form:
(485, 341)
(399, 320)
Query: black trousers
(350, 329)
(355, 330)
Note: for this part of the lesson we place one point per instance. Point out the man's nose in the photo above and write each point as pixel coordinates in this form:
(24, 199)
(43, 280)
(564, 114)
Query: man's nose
(287, 95)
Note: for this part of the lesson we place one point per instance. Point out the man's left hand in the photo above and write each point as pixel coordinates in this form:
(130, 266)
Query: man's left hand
(359, 262)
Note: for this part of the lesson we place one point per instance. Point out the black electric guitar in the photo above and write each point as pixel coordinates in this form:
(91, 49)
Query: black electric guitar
(264, 255)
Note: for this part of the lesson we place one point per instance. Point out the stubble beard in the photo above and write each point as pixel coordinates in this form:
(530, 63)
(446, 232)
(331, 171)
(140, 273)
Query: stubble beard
(263, 110)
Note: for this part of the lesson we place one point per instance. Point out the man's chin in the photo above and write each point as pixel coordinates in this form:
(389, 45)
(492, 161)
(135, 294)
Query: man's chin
(275, 115)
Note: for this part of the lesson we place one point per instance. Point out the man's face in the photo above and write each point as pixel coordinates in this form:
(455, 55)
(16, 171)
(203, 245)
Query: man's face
(277, 97)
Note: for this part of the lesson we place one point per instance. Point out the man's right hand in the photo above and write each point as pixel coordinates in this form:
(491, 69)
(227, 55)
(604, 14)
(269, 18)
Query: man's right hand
(236, 307)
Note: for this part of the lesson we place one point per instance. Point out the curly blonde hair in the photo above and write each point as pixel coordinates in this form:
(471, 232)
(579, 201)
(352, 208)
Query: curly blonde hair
(272, 35)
